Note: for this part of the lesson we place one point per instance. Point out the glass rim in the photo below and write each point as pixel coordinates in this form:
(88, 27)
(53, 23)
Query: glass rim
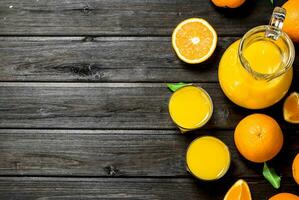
(266, 76)
(203, 122)
(223, 172)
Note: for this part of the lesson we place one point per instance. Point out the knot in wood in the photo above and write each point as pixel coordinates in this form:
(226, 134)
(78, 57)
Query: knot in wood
(111, 170)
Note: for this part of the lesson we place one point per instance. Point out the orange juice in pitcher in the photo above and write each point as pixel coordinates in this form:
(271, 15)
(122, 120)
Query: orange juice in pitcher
(256, 71)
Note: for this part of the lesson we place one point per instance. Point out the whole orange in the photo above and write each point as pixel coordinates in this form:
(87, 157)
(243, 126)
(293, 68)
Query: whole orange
(228, 3)
(295, 169)
(291, 23)
(284, 196)
(258, 138)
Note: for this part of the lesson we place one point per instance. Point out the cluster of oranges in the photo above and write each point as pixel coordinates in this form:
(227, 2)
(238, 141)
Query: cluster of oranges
(258, 137)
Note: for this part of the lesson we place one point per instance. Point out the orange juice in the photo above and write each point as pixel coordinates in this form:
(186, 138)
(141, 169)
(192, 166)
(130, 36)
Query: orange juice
(208, 158)
(190, 107)
(243, 88)
(263, 56)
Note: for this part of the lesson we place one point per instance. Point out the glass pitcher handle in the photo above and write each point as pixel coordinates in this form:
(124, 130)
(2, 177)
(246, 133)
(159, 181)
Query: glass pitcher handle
(274, 29)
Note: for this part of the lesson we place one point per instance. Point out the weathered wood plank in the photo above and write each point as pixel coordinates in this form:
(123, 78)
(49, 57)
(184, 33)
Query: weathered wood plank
(105, 106)
(112, 59)
(117, 17)
(122, 153)
(98, 105)
(117, 188)
(98, 59)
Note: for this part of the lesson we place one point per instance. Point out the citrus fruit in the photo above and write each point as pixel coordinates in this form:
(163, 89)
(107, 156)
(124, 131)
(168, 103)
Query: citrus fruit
(239, 191)
(295, 169)
(258, 138)
(291, 25)
(284, 196)
(291, 108)
(194, 40)
(228, 3)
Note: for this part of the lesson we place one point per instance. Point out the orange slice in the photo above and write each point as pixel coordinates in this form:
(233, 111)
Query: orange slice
(291, 108)
(194, 40)
(239, 191)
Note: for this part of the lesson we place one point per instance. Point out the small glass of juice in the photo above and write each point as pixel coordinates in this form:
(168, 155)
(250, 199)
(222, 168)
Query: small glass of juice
(208, 158)
(190, 107)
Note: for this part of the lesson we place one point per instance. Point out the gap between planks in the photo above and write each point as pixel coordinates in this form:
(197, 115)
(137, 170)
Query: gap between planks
(91, 38)
(174, 131)
(86, 131)
(104, 36)
(84, 84)
(107, 178)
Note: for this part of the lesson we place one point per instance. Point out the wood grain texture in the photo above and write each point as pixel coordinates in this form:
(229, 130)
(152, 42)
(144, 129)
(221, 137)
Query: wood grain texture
(107, 106)
(101, 106)
(113, 59)
(100, 59)
(118, 17)
(118, 188)
(121, 153)
(83, 104)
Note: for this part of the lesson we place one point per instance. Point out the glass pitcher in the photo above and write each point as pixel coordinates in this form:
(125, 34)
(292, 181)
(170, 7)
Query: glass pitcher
(256, 71)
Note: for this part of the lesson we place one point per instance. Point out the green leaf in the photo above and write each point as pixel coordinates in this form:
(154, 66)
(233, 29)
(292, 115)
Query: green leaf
(174, 86)
(271, 176)
(271, 2)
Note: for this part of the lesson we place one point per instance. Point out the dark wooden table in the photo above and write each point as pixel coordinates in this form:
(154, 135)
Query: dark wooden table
(83, 101)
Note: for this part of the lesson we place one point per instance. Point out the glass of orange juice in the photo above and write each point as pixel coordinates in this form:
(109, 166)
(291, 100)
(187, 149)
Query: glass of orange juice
(208, 158)
(190, 107)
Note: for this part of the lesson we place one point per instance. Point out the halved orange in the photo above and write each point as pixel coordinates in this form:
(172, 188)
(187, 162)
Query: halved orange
(194, 40)
(239, 191)
(291, 108)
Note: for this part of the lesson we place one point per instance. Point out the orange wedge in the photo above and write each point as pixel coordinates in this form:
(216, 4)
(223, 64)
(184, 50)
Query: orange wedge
(194, 40)
(239, 191)
(291, 108)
